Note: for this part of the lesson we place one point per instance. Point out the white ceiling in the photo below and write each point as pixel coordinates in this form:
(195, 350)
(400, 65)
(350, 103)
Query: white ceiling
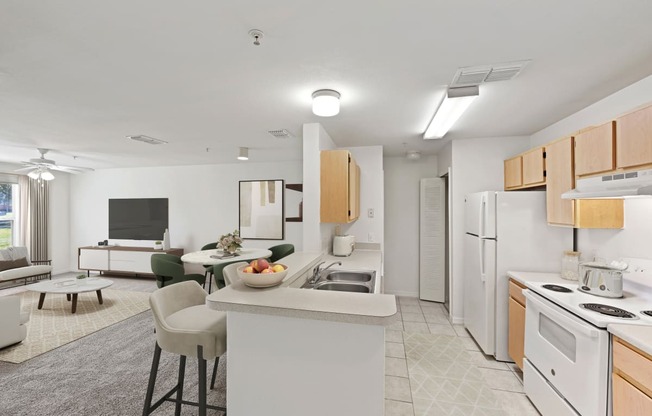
(78, 76)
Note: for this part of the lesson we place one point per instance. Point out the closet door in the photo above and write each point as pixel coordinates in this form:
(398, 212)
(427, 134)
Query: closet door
(432, 240)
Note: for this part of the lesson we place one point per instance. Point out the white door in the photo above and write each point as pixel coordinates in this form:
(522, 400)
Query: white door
(432, 240)
(479, 290)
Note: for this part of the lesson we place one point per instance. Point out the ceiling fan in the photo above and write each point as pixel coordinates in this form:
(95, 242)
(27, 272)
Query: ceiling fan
(40, 168)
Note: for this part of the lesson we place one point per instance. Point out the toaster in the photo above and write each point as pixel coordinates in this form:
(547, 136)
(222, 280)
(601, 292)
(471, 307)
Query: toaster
(343, 245)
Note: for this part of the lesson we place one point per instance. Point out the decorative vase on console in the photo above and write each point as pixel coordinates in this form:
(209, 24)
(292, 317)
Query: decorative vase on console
(166, 240)
(230, 243)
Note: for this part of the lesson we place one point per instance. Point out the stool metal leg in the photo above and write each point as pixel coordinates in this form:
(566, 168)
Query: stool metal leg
(152, 380)
(217, 361)
(201, 364)
(182, 370)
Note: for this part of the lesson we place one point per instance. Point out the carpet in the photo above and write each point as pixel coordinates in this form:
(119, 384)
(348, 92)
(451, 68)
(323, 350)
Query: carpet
(104, 373)
(55, 325)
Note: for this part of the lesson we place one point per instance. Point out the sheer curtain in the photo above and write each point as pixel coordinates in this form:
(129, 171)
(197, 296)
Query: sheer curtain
(23, 212)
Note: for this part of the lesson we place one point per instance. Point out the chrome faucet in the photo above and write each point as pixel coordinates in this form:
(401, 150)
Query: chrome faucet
(318, 269)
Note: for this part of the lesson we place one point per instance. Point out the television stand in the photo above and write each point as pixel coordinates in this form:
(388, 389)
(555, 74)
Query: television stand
(132, 261)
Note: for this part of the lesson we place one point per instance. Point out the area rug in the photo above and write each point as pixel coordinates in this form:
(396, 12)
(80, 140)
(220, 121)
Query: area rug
(55, 325)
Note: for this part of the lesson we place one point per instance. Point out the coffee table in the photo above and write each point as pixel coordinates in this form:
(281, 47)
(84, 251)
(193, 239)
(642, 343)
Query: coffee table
(71, 288)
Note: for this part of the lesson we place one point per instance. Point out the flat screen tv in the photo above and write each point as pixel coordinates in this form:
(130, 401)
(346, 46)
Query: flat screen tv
(138, 218)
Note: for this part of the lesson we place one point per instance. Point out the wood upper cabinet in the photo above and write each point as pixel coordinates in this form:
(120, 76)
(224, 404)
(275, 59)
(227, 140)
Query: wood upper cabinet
(514, 172)
(516, 341)
(595, 150)
(560, 179)
(632, 380)
(526, 170)
(534, 167)
(340, 187)
(634, 139)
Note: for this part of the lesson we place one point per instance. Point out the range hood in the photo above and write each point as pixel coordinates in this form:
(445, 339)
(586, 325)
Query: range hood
(616, 185)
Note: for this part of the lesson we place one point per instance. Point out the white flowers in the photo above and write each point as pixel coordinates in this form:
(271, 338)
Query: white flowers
(230, 242)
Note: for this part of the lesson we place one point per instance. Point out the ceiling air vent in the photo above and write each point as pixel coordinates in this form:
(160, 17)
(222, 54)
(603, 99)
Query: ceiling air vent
(476, 75)
(281, 134)
(147, 139)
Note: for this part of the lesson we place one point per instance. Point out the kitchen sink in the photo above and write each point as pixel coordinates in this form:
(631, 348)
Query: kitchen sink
(348, 276)
(360, 281)
(343, 287)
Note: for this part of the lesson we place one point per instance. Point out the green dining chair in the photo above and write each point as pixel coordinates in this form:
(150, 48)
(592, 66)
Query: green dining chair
(280, 251)
(169, 270)
(218, 274)
(208, 267)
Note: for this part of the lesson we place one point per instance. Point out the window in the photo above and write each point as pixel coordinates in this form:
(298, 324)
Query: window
(8, 214)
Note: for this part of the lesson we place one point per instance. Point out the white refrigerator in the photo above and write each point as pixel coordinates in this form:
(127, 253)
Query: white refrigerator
(504, 231)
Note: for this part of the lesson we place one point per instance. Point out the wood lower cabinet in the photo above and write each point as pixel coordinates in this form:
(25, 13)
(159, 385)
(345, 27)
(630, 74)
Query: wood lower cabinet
(340, 187)
(632, 380)
(595, 150)
(516, 341)
(634, 139)
(122, 260)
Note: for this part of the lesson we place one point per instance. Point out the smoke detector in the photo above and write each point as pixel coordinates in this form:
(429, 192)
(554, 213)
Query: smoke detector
(147, 139)
(281, 134)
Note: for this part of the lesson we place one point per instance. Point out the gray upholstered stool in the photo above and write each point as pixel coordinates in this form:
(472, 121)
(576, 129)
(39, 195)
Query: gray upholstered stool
(185, 326)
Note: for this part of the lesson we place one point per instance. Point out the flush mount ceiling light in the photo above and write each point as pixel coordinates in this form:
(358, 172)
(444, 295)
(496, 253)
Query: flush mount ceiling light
(455, 103)
(325, 103)
(243, 154)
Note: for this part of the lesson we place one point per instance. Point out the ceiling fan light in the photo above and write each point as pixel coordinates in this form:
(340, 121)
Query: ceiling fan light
(325, 103)
(34, 174)
(47, 175)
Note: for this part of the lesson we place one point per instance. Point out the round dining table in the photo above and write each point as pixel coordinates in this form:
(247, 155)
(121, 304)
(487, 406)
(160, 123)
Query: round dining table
(213, 257)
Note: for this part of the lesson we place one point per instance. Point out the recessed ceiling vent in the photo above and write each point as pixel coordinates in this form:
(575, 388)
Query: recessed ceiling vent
(476, 75)
(147, 139)
(281, 134)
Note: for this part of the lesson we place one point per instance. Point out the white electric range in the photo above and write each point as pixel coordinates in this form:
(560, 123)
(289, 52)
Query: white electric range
(567, 361)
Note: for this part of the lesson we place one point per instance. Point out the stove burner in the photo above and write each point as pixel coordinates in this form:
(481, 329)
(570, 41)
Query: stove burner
(557, 288)
(608, 310)
(648, 313)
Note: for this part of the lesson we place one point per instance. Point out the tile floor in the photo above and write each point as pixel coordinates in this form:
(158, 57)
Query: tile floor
(435, 368)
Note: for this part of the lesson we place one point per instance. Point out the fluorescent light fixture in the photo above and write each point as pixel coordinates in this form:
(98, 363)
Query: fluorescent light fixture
(243, 154)
(325, 103)
(47, 175)
(455, 103)
(147, 139)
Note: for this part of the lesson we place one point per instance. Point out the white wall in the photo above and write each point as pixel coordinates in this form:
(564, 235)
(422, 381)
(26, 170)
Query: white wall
(401, 259)
(365, 229)
(316, 236)
(477, 166)
(203, 201)
(623, 101)
(634, 240)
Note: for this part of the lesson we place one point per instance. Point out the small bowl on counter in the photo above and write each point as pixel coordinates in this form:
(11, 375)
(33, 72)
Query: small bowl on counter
(259, 280)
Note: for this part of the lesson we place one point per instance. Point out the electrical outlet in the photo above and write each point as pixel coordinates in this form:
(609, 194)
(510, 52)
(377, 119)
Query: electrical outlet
(370, 213)
(371, 237)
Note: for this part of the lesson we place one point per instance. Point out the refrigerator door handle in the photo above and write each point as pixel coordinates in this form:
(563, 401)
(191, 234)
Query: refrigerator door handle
(483, 275)
(483, 211)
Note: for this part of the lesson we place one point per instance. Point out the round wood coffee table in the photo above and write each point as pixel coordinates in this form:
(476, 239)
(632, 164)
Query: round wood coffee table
(71, 288)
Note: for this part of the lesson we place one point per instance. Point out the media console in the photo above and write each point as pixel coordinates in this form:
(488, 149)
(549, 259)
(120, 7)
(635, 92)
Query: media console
(120, 259)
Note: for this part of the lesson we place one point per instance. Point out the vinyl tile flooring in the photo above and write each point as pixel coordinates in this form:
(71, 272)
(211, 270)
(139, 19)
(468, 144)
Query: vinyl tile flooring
(435, 368)
(431, 366)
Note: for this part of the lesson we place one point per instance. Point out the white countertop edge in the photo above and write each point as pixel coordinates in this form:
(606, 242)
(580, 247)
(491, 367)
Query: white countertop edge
(525, 278)
(640, 336)
(307, 314)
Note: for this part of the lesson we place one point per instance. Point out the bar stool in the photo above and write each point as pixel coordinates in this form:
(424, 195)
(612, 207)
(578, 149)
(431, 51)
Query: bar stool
(185, 326)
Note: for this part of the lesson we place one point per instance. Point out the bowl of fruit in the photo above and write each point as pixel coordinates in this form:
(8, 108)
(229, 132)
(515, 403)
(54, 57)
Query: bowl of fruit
(261, 273)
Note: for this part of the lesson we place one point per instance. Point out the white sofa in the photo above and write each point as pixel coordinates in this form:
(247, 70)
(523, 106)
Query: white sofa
(13, 322)
(36, 267)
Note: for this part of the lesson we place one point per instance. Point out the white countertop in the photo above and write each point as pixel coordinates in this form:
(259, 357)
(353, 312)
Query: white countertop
(638, 335)
(534, 277)
(360, 308)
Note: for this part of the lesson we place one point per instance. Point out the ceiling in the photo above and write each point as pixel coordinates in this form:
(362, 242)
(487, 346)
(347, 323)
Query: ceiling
(79, 76)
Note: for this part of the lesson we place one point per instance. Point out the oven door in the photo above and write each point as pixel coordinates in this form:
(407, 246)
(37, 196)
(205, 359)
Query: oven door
(570, 353)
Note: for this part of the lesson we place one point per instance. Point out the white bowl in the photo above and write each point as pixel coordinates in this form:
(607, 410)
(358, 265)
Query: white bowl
(262, 279)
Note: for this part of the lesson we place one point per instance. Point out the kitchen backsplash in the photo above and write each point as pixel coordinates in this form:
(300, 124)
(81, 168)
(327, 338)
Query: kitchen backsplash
(635, 240)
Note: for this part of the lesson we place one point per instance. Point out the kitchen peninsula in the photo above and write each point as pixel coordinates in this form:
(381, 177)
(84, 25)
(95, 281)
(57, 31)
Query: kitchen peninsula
(290, 347)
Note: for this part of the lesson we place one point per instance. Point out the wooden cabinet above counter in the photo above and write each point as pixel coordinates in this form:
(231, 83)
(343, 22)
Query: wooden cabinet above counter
(340, 187)
(526, 170)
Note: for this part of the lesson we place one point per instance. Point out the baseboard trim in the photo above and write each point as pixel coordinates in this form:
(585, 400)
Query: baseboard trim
(406, 294)
(456, 320)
